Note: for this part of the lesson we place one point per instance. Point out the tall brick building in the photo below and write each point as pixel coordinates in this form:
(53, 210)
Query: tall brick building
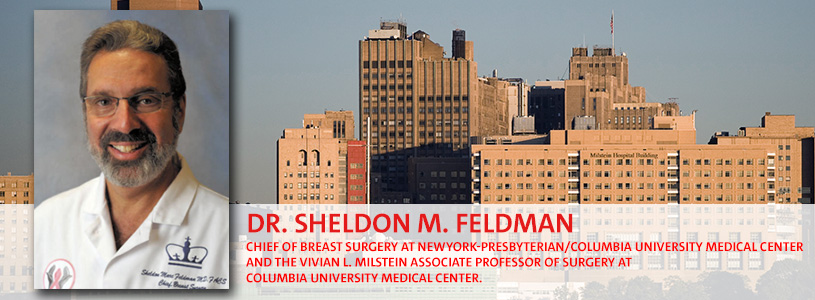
(421, 105)
(314, 162)
(597, 95)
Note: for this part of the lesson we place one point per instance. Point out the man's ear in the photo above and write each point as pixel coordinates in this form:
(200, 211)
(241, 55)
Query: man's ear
(180, 111)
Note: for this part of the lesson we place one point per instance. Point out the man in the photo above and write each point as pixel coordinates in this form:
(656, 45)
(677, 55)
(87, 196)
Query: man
(146, 222)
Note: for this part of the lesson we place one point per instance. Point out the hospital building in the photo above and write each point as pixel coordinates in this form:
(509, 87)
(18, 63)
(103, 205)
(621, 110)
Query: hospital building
(771, 163)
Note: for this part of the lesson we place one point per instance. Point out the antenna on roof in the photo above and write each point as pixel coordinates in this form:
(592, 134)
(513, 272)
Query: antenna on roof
(612, 32)
(564, 73)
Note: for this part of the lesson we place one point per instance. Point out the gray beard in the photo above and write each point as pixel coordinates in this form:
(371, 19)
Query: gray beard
(137, 172)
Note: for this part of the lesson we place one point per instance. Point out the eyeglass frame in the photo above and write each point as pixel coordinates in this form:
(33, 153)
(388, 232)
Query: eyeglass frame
(130, 101)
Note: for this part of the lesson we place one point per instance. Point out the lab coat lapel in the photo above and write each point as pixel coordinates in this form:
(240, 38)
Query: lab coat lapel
(96, 223)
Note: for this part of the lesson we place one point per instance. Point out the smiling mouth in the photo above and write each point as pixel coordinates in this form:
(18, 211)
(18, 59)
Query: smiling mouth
(128, 148)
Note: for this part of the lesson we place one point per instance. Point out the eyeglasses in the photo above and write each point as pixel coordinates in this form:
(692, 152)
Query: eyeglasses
(103, 106)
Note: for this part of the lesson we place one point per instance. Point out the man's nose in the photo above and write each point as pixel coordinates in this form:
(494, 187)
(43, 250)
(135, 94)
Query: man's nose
(125, 119)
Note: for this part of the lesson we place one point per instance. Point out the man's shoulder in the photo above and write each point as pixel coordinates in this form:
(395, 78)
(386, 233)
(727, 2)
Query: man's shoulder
(205, 194)
(67, 200)
(212, 206)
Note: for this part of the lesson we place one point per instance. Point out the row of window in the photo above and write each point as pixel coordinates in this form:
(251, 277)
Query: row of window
(421, 134)
(455, 122)
(387, 64)
(443, 174)
(312, 185)
(13, 194)
(387, 75)
(443, 197)
(508, 162)
(629, 107)
(14, 184)
(729, 185)
(387, 98)
(308, 197)
(410, 98)
(307, 175)
(12, 270)
(387, 87)
(628, 120)
(586, 174)
(438, 148)
(626, 198)
(375, 147)
(640, 174)
(446, 110)
(629, 185)
(598, 65)
(443, 185)
(576, 185)
(629, 162)
(727, 198)
(421, 110)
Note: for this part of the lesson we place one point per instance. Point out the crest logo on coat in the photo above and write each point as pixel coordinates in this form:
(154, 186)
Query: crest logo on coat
(59, 274)
(186, 256)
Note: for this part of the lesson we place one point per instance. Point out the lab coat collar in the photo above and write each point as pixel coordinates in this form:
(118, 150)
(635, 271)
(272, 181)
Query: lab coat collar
(172, 207)
(175, 203)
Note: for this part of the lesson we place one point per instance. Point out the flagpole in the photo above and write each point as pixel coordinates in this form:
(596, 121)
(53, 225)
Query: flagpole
(613, 51)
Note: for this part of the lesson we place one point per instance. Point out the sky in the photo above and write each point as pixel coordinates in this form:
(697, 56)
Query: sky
(729, 60)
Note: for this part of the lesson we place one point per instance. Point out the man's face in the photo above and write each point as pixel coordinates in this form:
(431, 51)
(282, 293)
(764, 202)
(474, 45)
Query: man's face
(132, 148)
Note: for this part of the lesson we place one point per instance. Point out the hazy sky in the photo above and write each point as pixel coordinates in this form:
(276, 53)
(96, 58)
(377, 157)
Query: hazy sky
(730, 60)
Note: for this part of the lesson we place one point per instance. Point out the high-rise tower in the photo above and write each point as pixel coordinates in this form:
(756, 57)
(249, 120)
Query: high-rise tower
(598, 95)
(422, 107)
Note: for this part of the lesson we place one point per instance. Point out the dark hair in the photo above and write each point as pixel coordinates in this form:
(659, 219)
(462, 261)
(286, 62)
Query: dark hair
(129, 34)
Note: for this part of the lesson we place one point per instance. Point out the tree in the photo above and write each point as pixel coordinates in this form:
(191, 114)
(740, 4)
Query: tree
(724, 285)
(616, 287)
(594, 291)
(562, 293)
(642, 288)
(678, 289)
(787, 279)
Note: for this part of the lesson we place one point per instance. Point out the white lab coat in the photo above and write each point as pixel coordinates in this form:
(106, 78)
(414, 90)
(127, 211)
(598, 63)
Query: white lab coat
(74, 245)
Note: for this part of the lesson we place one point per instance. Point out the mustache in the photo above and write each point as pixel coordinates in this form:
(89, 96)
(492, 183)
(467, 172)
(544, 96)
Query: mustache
(135, 135)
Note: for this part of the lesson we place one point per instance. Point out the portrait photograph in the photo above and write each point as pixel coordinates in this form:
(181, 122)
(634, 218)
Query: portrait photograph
(131, 149)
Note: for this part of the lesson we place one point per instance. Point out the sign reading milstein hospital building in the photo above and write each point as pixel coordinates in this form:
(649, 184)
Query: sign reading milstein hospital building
(772, 163)
(624, 155)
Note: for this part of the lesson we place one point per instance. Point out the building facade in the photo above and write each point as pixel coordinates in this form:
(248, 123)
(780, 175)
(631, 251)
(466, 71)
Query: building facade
(597, 95)
(768, 164)
(16, 189)
(546, 104)
(420, 105)
(16, 228)
(357, 172)
(314, 162)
